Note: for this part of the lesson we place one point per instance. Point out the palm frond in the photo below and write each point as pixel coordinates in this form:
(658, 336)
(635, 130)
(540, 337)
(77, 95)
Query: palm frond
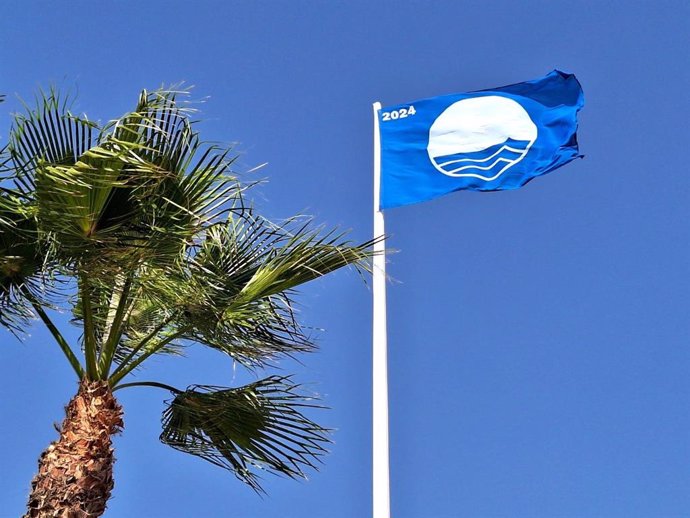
(243, 274)
(253, 335)
(49, 133)
(73, 199)
(304, 255)
(258, 427)
(195, 175)
(145, 188)
(21, 264)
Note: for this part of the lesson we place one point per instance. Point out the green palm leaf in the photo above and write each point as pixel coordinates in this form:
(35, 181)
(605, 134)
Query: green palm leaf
(258, 427)
(49, 133)
(240, 281)
(22, 264)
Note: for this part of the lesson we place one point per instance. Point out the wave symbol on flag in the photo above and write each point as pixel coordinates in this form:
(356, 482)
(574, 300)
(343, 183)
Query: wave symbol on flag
(480, 137)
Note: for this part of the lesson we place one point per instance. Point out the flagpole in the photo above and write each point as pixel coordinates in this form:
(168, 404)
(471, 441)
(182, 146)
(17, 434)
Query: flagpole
(380, 465)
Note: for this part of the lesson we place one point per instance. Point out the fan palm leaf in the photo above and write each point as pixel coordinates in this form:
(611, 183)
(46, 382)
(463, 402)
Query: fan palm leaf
(258, 427)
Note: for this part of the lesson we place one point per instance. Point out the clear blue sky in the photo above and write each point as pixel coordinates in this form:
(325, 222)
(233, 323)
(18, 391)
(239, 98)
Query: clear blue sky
(539, 356)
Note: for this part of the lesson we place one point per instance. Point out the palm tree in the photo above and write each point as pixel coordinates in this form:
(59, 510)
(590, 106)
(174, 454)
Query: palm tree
(141, 231)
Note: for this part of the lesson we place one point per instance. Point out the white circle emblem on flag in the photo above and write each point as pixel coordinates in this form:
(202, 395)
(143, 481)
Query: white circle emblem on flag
(480, 137)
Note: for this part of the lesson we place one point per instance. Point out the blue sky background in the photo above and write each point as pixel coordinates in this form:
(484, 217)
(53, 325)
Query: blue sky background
(539, 361)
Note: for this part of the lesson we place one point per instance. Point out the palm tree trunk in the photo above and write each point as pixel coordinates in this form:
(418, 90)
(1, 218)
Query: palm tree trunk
(75, 473)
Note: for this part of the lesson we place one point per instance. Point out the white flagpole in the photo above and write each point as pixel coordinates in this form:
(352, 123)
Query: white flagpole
(381, 472)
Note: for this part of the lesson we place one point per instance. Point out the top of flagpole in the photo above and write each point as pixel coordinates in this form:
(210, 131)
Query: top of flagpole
(376, 107)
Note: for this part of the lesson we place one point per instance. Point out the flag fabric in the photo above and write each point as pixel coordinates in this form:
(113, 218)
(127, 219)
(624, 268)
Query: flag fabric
(488, 140)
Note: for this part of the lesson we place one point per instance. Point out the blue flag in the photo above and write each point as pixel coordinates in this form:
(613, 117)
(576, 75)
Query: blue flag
(490, 140)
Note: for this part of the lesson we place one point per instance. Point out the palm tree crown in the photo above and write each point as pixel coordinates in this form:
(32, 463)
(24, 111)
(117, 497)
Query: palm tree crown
(142, 231)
